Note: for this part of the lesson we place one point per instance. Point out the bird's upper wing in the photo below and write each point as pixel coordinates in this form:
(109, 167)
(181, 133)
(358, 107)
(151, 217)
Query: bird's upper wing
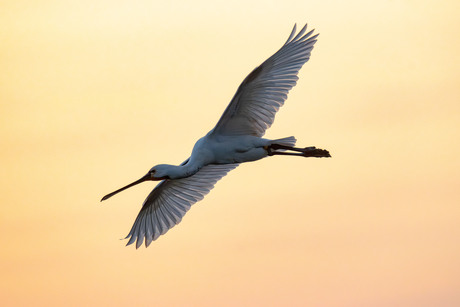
(170, 200)
(260, 95)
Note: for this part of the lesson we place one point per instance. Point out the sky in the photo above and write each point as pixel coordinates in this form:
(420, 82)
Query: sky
(95, 93)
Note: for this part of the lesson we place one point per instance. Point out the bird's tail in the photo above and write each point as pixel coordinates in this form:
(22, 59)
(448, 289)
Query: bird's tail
(289, 141)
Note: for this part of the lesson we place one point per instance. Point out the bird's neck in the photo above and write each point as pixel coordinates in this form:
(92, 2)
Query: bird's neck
(182, 171)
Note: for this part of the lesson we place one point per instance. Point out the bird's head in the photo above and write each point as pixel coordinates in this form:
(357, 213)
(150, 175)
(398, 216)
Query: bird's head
(161, 171)
(156, 173)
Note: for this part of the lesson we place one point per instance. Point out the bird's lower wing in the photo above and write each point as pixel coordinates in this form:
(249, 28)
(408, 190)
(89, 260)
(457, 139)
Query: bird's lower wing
(170, 200)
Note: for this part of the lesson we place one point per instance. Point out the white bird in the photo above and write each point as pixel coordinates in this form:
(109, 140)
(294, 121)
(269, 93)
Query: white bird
(237, 138)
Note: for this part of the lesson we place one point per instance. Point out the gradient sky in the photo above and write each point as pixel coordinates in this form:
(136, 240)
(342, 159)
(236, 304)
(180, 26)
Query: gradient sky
(94, 93)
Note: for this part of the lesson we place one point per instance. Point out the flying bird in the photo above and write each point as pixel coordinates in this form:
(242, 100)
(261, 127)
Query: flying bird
(236, 138)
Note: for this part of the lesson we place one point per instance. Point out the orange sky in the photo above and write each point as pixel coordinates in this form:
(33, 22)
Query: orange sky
(94, 93)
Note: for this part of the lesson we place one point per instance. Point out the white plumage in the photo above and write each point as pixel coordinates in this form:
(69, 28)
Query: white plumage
(171, 199)
(260, 95)
(237, 138)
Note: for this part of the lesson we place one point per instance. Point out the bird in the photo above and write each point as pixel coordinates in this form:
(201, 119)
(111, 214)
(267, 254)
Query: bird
(237, 138)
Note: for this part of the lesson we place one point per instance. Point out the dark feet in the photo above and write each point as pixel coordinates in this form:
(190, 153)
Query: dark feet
(315, 152)
(303, 152)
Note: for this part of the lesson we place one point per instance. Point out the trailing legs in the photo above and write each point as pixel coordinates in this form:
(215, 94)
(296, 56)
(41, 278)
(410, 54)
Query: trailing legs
(295, 151)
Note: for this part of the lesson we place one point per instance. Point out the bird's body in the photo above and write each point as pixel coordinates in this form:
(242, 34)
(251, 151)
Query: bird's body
(237, 138)
(223, 149)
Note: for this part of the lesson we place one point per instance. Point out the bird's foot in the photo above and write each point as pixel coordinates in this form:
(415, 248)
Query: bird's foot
(276, 149)
(315, 152)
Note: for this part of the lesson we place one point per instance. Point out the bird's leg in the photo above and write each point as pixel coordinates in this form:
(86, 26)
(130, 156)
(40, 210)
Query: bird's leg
(303, 152)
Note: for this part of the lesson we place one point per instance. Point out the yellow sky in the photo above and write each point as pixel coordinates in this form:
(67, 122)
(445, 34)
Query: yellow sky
(94, 93)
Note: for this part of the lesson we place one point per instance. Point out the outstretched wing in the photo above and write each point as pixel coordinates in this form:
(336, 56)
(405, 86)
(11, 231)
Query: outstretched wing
(170, 200)
(253, 108)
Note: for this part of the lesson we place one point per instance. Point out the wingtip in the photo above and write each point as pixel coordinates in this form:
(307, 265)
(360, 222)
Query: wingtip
(292, 34)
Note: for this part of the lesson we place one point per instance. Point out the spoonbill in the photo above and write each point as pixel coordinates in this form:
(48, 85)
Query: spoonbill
(236, 138)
